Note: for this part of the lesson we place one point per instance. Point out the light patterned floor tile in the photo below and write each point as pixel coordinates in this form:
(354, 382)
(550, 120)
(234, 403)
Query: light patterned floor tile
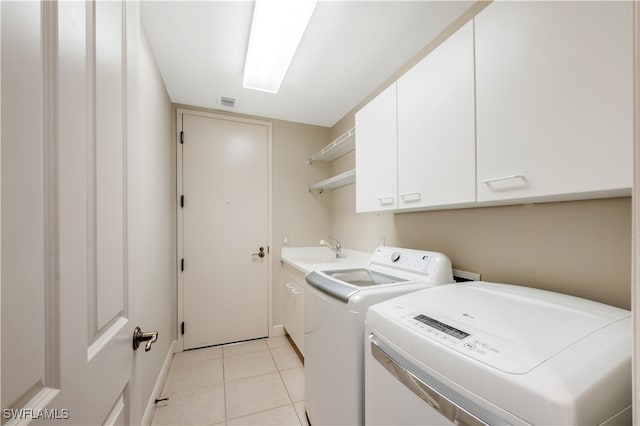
(286, 358)
(294, 382)
(301, 412)
(262, 378)
(255, 394)
(244, 347)
(285, 416)
(193, 375)
(278, 342)
(202, 407)
(248, 365)
(195, 355)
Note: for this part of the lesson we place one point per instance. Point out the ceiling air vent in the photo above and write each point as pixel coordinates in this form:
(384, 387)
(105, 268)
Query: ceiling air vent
(228, 101)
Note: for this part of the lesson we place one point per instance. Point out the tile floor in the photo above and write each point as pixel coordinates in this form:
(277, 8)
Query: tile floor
(260, 382)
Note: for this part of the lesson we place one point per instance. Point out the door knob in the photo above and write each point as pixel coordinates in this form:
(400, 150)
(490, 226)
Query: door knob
(138, 337)
(260, 253)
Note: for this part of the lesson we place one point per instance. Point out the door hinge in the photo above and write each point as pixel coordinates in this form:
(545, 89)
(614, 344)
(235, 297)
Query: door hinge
(181, 136)
(182, 201)
(182, 328)
(182, 264)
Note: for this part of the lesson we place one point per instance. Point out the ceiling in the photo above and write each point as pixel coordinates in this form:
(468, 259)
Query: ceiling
(348, 50)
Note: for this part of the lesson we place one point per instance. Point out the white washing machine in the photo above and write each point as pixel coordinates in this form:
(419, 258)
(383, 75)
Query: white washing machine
(495, 354)
(335, 306)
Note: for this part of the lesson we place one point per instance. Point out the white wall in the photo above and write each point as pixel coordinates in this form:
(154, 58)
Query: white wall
(153, 203)
(302, 216)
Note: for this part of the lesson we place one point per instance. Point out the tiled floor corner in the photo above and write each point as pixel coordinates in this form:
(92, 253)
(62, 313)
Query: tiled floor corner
(260, 382)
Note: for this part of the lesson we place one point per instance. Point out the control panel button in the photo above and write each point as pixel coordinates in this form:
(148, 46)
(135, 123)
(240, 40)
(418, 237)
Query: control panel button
(395, 256)
(470, 346)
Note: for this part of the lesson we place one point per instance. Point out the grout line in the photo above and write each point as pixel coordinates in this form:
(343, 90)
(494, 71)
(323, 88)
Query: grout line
(224, 382)
(293, 404)
(258, 375)
(282, 378)
(224, 388)
(264, 411)
(244, 353)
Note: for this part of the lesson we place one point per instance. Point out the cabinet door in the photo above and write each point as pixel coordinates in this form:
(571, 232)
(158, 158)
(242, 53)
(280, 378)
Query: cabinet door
(376, 154)
(287, 305)
(436, 127)
(293, 306)
(297, 310)
(554, 100)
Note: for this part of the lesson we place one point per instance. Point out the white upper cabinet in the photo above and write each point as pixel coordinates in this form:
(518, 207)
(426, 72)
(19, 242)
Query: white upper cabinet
(541, 111)
(554, 85)
(436, 127)
(376, 154)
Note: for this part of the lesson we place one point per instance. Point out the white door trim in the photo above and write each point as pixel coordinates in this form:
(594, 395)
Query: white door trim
(150, 408)
(179, 113)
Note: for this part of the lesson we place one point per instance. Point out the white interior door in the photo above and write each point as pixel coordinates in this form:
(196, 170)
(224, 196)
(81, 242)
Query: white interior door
(67, 321)
(225, 223)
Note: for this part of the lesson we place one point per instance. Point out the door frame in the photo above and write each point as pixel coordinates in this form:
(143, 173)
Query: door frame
(180, 217)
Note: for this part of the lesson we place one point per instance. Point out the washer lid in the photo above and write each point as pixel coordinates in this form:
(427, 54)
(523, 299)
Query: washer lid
(344, 283)
(510, 328)
(363, 277)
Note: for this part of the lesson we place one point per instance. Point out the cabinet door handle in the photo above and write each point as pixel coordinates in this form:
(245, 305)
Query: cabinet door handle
(490, 181)
(294, 291)
(385, 201)
(410, 197)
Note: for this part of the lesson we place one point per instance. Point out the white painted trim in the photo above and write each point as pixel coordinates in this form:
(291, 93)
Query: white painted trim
(179, 230)
(277, 330)
(271, 255)
(105, 338)
(180, 219)
(147, 416)
(51, 194)
(116, 412)
(38, 402)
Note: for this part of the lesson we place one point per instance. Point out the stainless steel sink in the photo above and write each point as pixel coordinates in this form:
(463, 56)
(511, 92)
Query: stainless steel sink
(362, 277)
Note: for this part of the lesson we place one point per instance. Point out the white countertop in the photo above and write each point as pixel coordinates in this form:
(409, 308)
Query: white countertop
(319, 258)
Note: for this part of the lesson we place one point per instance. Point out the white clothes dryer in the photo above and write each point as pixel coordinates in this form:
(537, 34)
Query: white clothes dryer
(494, 354)
(336, 303)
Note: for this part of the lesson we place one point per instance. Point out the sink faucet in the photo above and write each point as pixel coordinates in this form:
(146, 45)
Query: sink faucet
(337, 249)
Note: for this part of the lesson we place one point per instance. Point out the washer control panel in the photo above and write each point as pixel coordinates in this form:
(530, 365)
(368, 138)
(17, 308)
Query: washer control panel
(487, 349)
(419, 261)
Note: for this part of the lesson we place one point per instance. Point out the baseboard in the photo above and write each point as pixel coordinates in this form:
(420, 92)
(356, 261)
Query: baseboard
(147, 416)
(277, 330)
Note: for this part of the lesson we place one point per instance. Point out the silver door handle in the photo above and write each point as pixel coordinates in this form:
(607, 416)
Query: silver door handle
(138, 337)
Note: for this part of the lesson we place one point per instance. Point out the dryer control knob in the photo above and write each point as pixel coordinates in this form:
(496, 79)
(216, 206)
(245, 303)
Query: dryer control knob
(395, 256)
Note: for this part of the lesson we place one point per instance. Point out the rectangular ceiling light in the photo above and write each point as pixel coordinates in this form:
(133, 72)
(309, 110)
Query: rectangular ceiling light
(276, 31)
